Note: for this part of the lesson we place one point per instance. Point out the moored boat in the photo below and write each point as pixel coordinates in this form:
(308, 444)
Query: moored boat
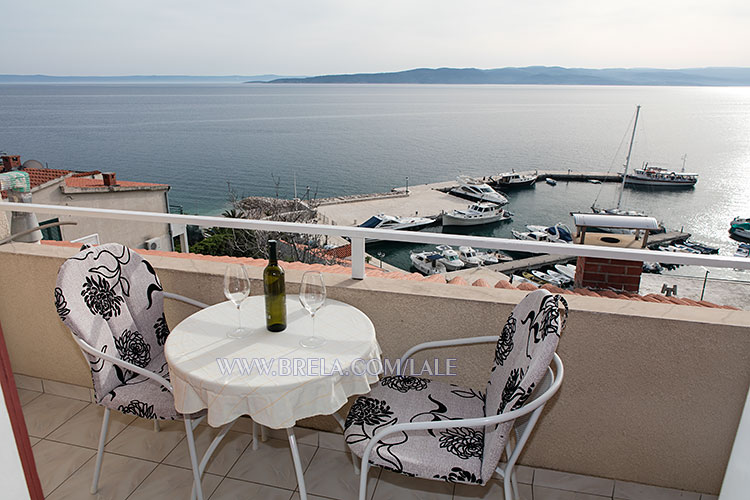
(568, 270)
(743, 250)
(427, 263)
(740, 228)
(558, 233)
(513, 179)
(469, 257)
(655, 176)
(477, 190)
(475, 215)
(550, 181)
(383, 221)
(449, 258)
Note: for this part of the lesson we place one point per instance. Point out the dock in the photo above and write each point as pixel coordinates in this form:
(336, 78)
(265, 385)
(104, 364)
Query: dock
(580, 176)
(540, 261)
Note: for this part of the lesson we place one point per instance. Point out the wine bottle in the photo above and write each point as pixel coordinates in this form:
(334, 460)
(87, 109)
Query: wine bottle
(275, 292)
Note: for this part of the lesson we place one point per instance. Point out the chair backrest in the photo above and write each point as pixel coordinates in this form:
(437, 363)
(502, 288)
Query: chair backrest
(523, 354)
(111, 298)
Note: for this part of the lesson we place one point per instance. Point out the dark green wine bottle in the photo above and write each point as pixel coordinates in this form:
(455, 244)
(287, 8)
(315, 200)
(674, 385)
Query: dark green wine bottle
(275, 291)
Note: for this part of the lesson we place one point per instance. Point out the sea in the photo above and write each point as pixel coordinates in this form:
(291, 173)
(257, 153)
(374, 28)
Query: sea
(209, 140)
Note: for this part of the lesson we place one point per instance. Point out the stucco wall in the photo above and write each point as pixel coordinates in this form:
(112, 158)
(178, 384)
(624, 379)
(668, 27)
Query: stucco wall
(652, 392)
(132, 234)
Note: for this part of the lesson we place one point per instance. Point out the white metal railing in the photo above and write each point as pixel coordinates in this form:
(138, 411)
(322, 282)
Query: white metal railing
(358, 235)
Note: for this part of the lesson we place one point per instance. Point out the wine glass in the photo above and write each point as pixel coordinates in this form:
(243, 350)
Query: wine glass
(236, 289)
(312, 295)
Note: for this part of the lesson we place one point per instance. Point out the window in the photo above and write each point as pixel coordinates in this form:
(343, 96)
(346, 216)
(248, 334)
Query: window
(51, 233)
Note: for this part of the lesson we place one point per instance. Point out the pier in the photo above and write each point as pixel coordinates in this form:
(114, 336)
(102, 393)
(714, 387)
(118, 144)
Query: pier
(580, 176)
(540, 261)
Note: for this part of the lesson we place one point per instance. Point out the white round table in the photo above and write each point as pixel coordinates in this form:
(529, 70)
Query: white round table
(268, 375)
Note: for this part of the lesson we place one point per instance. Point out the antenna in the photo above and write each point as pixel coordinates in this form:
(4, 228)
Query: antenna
(684, 158)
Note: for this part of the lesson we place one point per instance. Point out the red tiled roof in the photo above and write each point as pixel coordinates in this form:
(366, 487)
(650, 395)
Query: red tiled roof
(376, 272)
(97, 183)
(38, 176)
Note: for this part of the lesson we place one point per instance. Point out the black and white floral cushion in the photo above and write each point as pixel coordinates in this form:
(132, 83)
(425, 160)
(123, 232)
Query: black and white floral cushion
(456, 453)
(111, 298)
(523, 352)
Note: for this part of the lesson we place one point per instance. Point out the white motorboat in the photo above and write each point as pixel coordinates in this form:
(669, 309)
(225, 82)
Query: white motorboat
(531, 235)
(427, 263)
(568, 270)
(546, 277)
(476, 214)
(477, 190)
(562, 278)
(383, 221)
(517, 280)
(450, 258)
(550, 181)
(513, 179)
(470, 257)
(740, 228)
(558, 233)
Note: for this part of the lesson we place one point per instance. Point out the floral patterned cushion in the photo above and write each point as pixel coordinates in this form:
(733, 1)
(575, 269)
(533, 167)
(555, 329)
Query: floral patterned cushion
(523, 352)
(453, 455)
(143, 397)
(111, 298)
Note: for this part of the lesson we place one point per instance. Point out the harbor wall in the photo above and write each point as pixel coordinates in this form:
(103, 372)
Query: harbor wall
(652, 393)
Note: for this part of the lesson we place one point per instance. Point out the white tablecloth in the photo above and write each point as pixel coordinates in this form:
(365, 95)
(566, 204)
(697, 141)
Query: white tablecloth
(207, 368)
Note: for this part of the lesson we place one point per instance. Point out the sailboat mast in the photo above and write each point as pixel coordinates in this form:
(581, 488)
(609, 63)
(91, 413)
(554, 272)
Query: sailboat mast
(627, 160)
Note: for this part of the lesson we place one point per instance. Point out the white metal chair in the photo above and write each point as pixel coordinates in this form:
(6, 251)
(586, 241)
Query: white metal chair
(426, 428)
(111, 300)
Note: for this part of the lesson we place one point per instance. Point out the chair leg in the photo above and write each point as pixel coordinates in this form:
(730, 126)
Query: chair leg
(514, 483)
(157, 427)
(193, 458)
(100, 451)
(355, 462)
(255, 436)
(507, 488)
(363, 473)
(263, 433)
(297, 464)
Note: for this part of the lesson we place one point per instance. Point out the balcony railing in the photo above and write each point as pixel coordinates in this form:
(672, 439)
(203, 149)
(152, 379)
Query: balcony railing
(358, 235)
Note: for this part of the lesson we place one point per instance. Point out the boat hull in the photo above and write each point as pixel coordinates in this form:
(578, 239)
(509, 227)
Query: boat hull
(664, 184)
(473, 197)
(452, 220)
(740, 233)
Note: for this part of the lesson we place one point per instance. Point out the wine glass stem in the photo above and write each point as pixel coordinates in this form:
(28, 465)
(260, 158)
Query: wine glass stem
(312, 315)
(239, 317)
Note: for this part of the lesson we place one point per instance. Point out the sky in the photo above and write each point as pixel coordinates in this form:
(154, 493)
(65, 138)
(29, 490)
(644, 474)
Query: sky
(313, 37)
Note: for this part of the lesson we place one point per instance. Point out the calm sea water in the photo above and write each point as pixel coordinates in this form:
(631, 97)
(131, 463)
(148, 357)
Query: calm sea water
(346, 139)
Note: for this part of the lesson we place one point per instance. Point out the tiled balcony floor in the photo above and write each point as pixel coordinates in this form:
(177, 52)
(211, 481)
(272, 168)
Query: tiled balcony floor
(142, 464)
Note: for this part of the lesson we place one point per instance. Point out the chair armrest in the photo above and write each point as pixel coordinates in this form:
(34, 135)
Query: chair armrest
(124, 364)
(184, 299)
(444, 343)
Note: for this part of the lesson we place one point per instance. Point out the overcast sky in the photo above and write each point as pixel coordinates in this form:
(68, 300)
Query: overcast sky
(309, 37)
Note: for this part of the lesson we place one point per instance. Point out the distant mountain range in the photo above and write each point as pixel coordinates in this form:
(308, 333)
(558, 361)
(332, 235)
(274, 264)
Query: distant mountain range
(140, 79)
(545, 75)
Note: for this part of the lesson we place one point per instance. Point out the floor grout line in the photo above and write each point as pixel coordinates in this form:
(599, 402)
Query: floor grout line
(72, 473)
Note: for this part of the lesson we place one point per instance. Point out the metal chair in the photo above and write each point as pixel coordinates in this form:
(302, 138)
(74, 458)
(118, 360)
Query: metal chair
(430, 429)
(111, 300)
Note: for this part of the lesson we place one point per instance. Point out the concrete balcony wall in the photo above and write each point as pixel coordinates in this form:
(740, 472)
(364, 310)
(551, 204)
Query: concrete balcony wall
(652, 392)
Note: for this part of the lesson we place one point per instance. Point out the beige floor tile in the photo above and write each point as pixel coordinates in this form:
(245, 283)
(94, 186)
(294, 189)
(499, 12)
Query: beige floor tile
(139, 439)
(67, 390)
(120, 476)
(83, 429)
(47, 412)
(55, 462)
(27, 396)
(492, 491)
(574, 482)
(170, 483)
(341, 485)
(29, 383)
(332, 441)
(634, 491)
(393, 486)
(303, 435)
(230, 449)
(234, 489)
(33, 440)
(309, 497)
(524, 474)
(542, 493)
(271, 464)
(704, 496)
